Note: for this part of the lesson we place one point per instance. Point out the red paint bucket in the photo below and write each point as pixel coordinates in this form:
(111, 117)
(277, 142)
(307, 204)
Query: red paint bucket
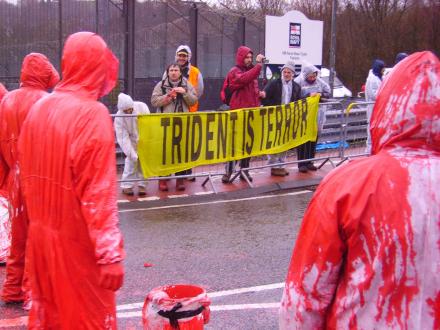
(180, 306)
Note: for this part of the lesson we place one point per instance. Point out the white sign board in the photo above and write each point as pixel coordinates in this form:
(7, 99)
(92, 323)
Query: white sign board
(293, 37)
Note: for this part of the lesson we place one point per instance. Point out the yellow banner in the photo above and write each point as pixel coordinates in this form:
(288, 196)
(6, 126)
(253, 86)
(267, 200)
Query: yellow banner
(169, 143)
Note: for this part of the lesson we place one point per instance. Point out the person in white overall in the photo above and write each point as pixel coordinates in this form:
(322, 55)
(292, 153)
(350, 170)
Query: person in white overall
(127, 136)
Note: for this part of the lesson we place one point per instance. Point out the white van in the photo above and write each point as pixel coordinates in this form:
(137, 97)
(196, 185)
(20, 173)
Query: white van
(339, 90)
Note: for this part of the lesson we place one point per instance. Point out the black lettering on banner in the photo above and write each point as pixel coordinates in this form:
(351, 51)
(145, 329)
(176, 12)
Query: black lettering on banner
(279, 116)
(209, 154)
(243, 138)
(195, 153)
(188, 122)
(233, 117)
(269, 127)
(262, 115)
(288, 110)
(221, 135)
(250, 131)
(305, 113)
(296, 118)
(177, 138)
(164, 122)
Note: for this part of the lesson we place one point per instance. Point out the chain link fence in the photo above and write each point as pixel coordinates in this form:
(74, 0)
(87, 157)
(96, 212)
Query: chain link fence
(159, 28)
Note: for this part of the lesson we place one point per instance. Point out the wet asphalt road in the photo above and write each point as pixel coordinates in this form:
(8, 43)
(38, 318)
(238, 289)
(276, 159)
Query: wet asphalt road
(219, 245)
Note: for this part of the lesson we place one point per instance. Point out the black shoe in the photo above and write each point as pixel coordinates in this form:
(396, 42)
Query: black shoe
(226, 178)
(303, 169)
(311, 167)
(243, 173)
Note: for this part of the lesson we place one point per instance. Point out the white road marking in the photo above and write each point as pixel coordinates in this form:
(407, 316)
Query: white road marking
(216, 308)
(177, 196)
(217, 202)
(22, 321)
(223, 293)
(246, 290)
(204, 192)
(151, 198)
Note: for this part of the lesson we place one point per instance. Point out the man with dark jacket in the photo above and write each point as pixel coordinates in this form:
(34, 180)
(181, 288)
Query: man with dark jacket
(243, 82)
(281, 91)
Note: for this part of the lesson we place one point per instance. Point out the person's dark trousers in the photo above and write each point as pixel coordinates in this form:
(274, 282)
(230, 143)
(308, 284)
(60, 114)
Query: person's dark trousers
(245, 162)
(306, 151)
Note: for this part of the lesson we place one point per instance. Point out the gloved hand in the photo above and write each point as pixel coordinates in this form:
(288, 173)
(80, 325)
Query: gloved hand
(111, 276)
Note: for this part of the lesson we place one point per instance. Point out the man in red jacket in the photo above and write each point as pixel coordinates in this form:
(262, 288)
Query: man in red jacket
(368, 253)
(243, 82)
(68, 173)
(37, 76)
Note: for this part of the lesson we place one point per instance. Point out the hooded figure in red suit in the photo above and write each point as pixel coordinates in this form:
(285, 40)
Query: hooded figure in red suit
(368, 252)
(68, 174)
(37, 76)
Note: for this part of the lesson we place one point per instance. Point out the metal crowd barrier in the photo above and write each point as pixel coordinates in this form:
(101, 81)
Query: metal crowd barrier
(342, 134)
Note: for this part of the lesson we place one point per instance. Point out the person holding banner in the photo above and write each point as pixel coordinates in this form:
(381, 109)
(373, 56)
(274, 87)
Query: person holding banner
(243, 82)
(195, 78)
(174, 94)
(127, 136)
(311, 85)
(281, 91)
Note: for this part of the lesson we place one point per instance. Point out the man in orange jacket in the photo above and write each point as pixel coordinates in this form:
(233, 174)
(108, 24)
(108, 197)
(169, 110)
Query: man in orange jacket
(37, 76)
(68, 174)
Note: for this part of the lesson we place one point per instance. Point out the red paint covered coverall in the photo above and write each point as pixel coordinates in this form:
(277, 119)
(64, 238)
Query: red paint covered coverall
(68, 173)
(3, 91)
(368, 252)
(37, 76)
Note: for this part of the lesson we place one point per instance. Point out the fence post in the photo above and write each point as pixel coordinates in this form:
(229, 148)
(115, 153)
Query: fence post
(60, 29)
(241, 31)
(193, 31)
(129, 7)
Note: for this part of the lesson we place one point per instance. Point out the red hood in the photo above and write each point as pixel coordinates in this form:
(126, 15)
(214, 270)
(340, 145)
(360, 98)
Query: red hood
(38, 72)
(406, 112)
(242, 51)
(3, 91)
(88, 66)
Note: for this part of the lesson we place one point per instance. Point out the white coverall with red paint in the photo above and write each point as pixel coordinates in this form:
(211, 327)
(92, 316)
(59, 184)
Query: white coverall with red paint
(368, 252)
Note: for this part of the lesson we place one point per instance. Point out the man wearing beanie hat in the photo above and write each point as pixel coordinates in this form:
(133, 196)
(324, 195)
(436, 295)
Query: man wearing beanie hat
(190, 72)
(127, 136)
(281, 91)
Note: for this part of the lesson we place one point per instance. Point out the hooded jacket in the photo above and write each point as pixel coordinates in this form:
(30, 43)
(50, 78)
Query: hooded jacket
(243, 82)
(368, 254)
(37, 76)
(3, 92)
(126, 128)
(318, 86)
(68, 170)
(374, 80)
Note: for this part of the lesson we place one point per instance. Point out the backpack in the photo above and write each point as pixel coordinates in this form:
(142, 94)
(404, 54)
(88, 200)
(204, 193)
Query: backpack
(226, 92)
